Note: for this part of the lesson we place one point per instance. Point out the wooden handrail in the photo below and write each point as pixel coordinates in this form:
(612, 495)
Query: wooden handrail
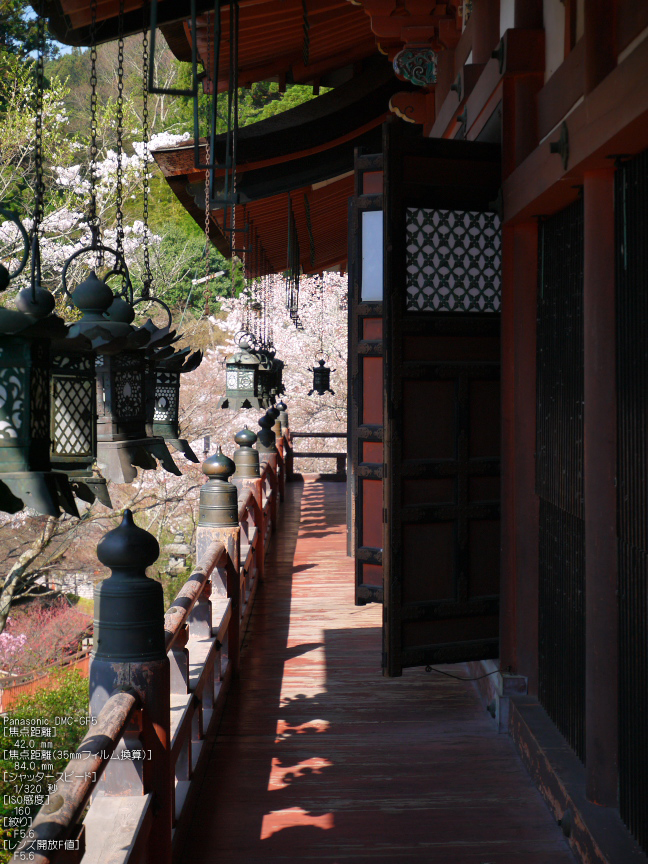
(318, 455)
(245, 502)
(318, 435)
(56, 820)
(186, 598)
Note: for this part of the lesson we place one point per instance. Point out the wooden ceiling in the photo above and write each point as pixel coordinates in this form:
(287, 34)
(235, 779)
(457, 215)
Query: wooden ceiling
(292, 39)
(286, 40)
(308, 162)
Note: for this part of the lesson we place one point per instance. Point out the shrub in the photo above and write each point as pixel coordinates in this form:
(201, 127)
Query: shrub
(66, 697)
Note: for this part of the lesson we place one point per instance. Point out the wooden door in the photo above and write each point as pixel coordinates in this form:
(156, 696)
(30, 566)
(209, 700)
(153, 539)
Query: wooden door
(365, 402)
(442, 416)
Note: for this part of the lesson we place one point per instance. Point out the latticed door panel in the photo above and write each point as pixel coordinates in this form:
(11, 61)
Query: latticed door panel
(442, 416)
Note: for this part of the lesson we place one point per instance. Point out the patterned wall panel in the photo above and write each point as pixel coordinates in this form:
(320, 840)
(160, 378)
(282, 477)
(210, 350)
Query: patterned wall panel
(453, 261)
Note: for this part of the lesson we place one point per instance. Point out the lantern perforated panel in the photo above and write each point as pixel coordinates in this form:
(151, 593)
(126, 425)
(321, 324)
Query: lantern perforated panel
(39, 391)
(12, 399)
(72, 405)
(246, 380)
(72, 421)
(166, 396)
(128, 386)
(453, 261)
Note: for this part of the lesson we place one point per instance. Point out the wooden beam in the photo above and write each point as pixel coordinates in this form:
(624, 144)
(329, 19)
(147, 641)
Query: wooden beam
(612, 119)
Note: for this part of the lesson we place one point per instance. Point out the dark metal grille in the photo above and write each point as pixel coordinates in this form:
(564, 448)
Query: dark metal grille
(453, 261)
(561, 622)
(559, 473)
(631, 208)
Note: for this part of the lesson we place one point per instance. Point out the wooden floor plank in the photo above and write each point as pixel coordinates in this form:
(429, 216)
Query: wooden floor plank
(319, 758)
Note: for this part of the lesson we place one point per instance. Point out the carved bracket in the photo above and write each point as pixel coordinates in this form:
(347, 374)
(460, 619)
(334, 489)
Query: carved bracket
(413, 107)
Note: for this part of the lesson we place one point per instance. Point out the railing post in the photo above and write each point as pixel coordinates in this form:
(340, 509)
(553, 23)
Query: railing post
(218, 521)
(266, 440)
(267, 447)
(288, 450)
(248, 476)
(281, 469)
(273, 412)
(129, 654)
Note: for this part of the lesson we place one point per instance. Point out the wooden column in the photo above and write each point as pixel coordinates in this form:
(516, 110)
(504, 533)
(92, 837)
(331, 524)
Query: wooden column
(486, 29)
(601, 652)
(445, 78)
(600, 41)
(519, 587)
(528, 14)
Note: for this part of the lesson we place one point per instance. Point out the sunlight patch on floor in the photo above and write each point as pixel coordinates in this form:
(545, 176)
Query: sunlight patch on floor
(294, 817)
(282, 776)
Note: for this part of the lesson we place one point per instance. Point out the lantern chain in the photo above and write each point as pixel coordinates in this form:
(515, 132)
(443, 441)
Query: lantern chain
(207, 191)
(120, 132)
(38, 123)
(93, 218)
(148, 277)
(322, 322)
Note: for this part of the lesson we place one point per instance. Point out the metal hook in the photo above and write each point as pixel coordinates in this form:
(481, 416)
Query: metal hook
(25, 238)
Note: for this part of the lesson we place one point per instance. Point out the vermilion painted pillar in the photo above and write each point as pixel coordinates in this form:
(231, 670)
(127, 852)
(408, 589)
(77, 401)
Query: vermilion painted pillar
(528, 14)
(519, 585)
(600, 41)
(601, 651)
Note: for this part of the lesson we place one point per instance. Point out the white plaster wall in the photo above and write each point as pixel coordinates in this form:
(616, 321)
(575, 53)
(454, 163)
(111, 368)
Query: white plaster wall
(507, 16)
(580, 19)
(554, 24)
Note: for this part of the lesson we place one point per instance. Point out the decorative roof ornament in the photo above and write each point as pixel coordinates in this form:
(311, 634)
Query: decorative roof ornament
(417, 64)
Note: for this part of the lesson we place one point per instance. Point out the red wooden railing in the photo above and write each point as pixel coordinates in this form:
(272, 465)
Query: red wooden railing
(203, 631)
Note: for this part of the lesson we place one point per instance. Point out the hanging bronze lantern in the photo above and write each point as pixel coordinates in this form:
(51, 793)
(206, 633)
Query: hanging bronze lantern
(26, 475)
(120, 370)
(242, 387)
(73, 418)
(321, 379)
(278, 366)
(163, 396)
(266, 375)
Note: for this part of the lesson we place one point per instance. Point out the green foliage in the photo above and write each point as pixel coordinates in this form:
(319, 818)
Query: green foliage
(258, 102)
(179, 257)
(19, 30)
(65, 697)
